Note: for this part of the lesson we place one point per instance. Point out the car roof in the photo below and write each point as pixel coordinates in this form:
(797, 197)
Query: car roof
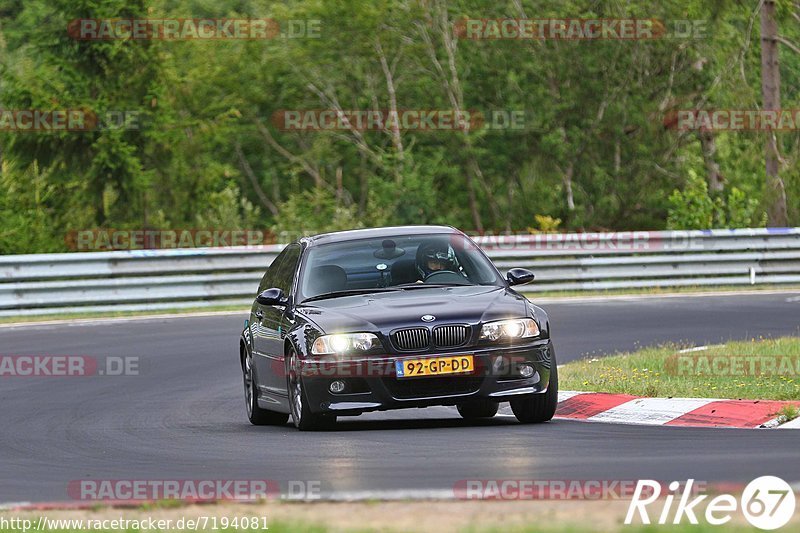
(376, 233)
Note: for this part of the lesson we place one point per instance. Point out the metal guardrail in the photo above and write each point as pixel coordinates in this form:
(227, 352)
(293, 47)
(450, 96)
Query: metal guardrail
(205, 277)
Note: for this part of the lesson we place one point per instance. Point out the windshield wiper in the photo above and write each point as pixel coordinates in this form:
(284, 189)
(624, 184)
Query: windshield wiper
(349, 292)
(405, 286)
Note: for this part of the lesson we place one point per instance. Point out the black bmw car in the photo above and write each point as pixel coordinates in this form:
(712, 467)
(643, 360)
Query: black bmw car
(391, 318)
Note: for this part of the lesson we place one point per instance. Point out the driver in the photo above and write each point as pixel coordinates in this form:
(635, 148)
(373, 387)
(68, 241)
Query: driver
(435, 256)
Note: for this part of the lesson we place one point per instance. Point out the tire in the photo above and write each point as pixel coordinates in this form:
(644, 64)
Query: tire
(478, 409)
(257, 415)
(537, 408)
(303, 418)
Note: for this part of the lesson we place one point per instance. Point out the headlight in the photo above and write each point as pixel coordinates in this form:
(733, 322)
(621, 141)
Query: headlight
(518, 328)
(343, 343)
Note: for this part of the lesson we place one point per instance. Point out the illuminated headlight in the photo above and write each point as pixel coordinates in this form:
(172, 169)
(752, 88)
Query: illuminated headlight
(343, 343)
(519, 328)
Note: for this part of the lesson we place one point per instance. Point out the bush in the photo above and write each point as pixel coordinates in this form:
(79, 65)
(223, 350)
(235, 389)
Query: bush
(314, 211)
(28, 223)
(227, 209)
(694, 208)
(691, 208)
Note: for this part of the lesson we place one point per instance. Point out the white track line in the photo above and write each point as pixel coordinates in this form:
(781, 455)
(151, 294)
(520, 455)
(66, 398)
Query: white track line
(699, 348)
(391, 495)
(611, 297)
(135, 318)
(10, 506)
(349, 496)
(336, 496)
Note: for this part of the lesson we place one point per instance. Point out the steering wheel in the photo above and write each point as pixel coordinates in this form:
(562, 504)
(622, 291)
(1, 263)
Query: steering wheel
(446, 277)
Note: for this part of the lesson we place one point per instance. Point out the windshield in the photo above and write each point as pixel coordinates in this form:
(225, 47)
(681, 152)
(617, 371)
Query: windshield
(402, 261)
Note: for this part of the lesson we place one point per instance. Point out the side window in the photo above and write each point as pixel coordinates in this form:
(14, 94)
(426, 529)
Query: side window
(268, 281)
(284, 271)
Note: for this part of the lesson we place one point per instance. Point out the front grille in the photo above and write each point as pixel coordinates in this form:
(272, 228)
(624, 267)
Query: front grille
(450, 336)
(406, 389)
(411, 339)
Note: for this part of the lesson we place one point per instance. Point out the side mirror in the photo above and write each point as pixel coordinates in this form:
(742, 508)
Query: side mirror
(519, 276)
(273, 296)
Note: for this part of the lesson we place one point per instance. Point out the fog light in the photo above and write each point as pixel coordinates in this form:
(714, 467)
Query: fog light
(337, 387)
(525, 371)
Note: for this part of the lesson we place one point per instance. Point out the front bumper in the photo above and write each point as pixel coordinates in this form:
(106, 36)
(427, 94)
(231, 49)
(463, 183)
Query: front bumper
(372, 384)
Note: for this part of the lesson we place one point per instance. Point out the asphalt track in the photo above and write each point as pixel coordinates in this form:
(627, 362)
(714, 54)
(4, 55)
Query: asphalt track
(183, 416)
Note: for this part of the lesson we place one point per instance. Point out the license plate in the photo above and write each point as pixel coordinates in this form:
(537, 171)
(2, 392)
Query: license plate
(434, 366)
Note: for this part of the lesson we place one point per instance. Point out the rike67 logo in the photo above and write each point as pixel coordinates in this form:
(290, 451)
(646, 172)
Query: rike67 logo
(767, 502)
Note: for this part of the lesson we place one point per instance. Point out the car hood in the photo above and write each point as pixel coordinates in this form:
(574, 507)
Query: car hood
(387, 311)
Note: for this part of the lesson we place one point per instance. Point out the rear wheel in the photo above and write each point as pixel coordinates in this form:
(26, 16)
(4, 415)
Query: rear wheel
(257, 415)
(303, 418)
(536, 408)
(477, 409)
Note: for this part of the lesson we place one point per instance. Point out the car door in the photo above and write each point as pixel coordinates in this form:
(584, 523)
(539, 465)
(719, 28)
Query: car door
(268, 321)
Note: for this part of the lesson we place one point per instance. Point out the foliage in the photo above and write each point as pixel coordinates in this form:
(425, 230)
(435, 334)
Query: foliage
(694, 208)
(595, 149)
(27, 221)
(315, 211)
(545, 224)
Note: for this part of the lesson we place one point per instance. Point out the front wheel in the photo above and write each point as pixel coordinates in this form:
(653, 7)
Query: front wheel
(537, 408)
(257, 415)
(303, 418)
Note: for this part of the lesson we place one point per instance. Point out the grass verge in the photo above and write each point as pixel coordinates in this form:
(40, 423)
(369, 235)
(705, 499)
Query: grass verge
(296, 527)
(765, 369)
(522, 516)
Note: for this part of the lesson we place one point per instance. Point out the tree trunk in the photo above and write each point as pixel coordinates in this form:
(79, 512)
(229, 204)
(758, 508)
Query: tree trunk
(568, 186)
(363, 185)
(716, 182)
(339, 186)
(473, 203)
(771, 93)
(248, 171)
(397, 138)
(510, 212)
